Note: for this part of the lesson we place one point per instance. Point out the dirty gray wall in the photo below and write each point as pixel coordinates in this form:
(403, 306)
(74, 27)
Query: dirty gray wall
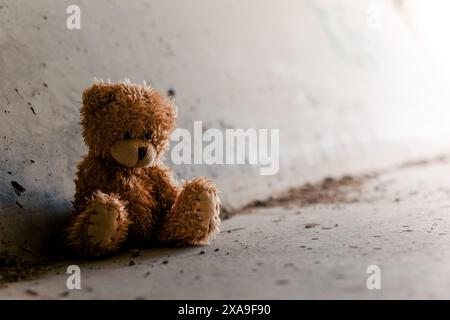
(348, 84)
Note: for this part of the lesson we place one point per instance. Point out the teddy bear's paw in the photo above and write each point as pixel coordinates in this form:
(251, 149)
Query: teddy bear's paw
(194, 218)
(104, 226)
(207, 209)
(100, 229)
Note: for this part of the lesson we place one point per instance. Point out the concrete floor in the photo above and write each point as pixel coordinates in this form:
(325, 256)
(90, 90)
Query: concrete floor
(401, 224)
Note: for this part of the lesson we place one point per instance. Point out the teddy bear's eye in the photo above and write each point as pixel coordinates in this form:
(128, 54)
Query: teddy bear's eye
(127, 136)
(148, 135)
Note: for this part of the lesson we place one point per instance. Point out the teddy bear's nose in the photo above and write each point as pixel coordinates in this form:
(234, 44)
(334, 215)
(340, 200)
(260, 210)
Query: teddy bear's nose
(142, 152)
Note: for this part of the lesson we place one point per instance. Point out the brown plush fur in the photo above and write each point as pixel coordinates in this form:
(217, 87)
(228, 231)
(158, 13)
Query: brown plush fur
(123, 191)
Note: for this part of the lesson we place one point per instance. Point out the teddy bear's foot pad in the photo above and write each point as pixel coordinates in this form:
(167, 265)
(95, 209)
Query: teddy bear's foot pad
(101, 228)
(104, 225)
(194, 219)
(207, 210)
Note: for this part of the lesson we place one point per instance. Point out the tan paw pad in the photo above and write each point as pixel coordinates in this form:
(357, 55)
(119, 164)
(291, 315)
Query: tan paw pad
(103, 225)
(207, 209)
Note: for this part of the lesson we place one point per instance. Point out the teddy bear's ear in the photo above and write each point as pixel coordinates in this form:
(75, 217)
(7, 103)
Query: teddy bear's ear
(99, 95)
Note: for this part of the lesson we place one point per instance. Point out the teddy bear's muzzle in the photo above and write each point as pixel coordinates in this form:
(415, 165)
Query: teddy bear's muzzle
(134, 153)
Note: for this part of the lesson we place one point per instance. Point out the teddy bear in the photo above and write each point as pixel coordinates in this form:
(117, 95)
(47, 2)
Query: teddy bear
(124, 194)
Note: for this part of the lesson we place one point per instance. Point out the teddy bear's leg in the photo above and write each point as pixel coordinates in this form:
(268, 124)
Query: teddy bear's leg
(101, 228)
(194, 217)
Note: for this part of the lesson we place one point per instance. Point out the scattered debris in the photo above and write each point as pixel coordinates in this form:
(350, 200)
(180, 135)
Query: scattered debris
(330, 190)
(232, 230)
(14, 267)
(201, 252)
(165, 262)
(418, 163)
(131, 263)
(282, 282)
(28, 102)
(31, 292)
(18, 189)
(171, 92)
(311, 225)
(287, 265)
(136, 253)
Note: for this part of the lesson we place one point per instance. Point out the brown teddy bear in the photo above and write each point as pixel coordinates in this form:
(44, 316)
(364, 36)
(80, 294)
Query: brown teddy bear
(124, 194)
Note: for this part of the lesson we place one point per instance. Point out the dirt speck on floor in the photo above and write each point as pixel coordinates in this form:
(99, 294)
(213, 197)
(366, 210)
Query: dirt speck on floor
(135, 253)
(31, 292)
(282, 282)
(422, 162)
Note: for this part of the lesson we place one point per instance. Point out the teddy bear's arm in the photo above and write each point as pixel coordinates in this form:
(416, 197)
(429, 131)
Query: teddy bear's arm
(92, 175)
(166, 188)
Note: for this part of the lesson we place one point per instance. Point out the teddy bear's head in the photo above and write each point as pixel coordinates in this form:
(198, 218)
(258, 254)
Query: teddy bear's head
(126, 122)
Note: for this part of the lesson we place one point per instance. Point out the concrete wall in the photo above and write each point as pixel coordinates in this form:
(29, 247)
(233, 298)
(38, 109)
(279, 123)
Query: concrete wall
(349, 84)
